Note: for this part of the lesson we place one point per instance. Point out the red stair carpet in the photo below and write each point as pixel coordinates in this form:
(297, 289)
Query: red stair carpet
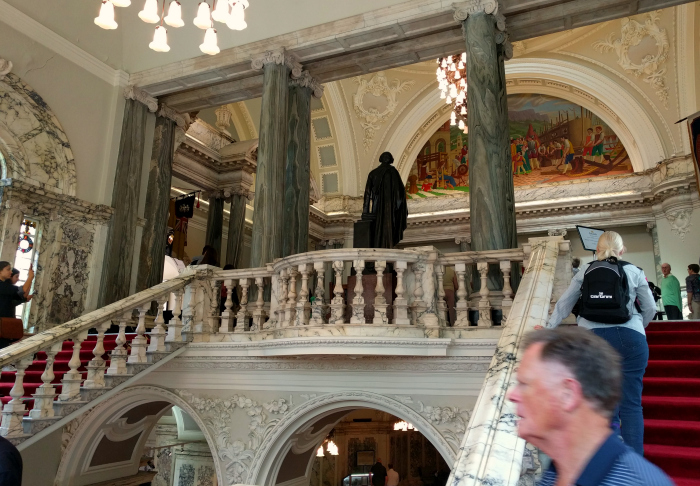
(671, 400)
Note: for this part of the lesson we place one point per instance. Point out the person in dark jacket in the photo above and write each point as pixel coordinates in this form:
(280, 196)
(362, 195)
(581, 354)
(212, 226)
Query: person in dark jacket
(10, 464)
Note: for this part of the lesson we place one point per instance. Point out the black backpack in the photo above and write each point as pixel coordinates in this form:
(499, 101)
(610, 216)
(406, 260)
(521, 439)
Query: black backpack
(605, 292)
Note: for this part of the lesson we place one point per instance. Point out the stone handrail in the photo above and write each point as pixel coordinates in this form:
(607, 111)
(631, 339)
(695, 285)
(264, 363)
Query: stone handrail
(491, 452)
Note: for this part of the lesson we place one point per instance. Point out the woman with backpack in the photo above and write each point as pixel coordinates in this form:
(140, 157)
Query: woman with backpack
(616, 304)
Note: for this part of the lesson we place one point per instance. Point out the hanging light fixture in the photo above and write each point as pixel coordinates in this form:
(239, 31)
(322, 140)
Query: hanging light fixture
(160, 40)
(319, 452)
(106, 17)
(203, 18)
(121, 3)
(221, 11)
(149, 14)
(451, 75)
(237, 18)
(174, 17)
(332, 448)
(404, 426)
(209, 46)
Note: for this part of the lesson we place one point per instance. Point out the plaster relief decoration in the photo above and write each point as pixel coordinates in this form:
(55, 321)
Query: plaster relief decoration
(5, 67)
(236, 454)
(680, 220)
(450, 421)
(374, 110)
(650, 65)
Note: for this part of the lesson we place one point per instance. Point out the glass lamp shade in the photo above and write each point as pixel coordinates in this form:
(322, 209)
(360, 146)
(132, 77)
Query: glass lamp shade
(332, 448)
(203, 18)
(106, 17)
(149, 14)
(242, 2)
(209, 46)
(160, 40)
(237, 19)
(221, 13)
(319, 452)
(121, 3)
(174, 17)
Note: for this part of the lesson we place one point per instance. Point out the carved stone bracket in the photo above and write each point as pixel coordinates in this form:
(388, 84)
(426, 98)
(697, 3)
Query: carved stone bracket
(279, 56)
(135, 93)
(181, 120)
(308, 81)
(5, 67)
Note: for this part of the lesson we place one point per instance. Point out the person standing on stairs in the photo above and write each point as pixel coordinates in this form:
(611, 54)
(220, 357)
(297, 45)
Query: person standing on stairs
(671, 294)
(624, 331)
(692, 288)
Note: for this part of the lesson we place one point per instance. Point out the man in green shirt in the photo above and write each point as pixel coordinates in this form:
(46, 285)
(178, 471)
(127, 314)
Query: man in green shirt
(671, 294)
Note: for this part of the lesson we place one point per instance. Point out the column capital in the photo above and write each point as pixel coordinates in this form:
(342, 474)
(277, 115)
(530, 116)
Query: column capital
(463, 10)
(5, 67)
(650, 226)
(181, 120)
(279, 56)
(236, 191)
(215, 194)
(135, 93)
(308, 81)
(463, 239)
(557, 232)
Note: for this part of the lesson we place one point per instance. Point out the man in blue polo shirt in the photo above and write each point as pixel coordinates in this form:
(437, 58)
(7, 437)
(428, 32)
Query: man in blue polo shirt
(569, 383)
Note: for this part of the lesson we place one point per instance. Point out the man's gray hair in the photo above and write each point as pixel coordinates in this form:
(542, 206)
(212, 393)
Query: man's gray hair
(592, 361)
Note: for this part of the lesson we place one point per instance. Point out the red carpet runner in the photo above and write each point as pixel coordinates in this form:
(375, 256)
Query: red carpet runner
(671, 400)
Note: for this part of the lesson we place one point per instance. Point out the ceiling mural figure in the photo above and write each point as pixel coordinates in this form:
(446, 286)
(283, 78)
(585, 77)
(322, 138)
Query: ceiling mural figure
(552, 140)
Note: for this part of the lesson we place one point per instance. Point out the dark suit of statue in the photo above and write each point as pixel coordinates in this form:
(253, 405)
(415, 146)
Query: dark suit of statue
(385, 204)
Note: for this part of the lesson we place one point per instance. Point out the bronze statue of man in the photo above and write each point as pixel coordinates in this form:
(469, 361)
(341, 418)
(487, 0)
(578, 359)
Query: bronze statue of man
(385, 204)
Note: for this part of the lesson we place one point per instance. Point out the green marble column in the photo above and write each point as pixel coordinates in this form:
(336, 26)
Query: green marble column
(119, 251)
(268, 227)
(215, 222)
(236, 230)
(153, 241)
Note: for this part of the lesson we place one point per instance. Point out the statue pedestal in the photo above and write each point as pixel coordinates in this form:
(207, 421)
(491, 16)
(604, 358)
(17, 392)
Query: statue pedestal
(362, 232)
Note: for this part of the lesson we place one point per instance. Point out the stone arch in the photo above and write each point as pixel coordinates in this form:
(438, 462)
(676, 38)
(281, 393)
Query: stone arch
(595, 91)
(89, 431)
(35, 145)
(265, 466)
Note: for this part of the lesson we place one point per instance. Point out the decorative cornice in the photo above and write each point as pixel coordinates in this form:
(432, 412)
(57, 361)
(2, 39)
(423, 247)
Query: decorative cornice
(181, 120)
(308, 81)
(281, 57)
(135, 93)
(5, 67)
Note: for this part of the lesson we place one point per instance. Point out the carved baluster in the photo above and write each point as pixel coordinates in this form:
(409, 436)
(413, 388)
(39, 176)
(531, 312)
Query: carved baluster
(441, 304)
(138, 344)
(380, 305)
(158, 332)
(282, 300)
(96, 366)
(13, 411)
(400, 303)
(484, 304)
(227, 314)
(338, 303)
(462, 306)
(303, 307)
(242, 316)
(43, 398)
(507, 302)
(418, 304)
(117, 359)
(291, 297)
(70, 384)
(259, 312)
(318, 309)
(188, 309)
(358, 302)
(175, 323)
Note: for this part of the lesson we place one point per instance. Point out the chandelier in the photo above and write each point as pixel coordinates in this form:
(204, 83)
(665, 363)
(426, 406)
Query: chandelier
(452, 79)
(330, 447)
(404, 426)
(229, 12)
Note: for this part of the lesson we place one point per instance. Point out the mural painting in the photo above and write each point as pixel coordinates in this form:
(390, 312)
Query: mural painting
(552, 140)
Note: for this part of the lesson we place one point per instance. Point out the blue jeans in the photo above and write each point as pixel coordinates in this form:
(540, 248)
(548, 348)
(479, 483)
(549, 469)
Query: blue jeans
(634, 351)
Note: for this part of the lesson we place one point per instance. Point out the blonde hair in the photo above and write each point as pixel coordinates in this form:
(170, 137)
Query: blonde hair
(610, 245)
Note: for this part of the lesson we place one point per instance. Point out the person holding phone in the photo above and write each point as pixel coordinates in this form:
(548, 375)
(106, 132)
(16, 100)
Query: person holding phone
(10, 296)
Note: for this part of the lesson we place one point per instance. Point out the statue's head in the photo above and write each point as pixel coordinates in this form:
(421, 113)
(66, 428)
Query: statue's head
(386, 158)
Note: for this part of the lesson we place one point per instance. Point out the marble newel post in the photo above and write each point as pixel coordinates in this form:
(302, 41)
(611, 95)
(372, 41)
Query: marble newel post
(297, 174)
(215, 222)
(119, 252)
(491, 197)
(272, 155)
(154, 236)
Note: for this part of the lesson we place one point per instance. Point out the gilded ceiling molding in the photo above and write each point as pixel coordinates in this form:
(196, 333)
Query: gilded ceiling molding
(5, 67)
(371, 118)
(308, 81)
(281, 57)
(135, 93)
(650, 66)
(181, 120)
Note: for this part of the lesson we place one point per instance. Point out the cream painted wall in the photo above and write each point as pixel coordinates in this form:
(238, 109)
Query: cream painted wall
(89, 109)
(679, 253)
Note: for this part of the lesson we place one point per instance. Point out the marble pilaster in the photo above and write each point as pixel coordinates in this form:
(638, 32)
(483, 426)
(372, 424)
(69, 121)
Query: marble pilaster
(119, 252)
(215, 222)
(272, 154)
(651, 228)
(153, 239)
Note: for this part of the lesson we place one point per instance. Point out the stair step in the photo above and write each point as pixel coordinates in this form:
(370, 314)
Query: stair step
(686, 481)
(673, 337)
(671, 387)
(671, 408)
(672, 432)
(674, 352)
(674, 326)
(675, 461)
(674, 368)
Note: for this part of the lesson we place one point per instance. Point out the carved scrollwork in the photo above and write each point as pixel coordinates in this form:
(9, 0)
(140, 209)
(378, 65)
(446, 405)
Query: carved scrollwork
(680, 220)
(650, 67)
(281, 57)
(371, 118)
(308, 81)
(5, 67)
(465, 9)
